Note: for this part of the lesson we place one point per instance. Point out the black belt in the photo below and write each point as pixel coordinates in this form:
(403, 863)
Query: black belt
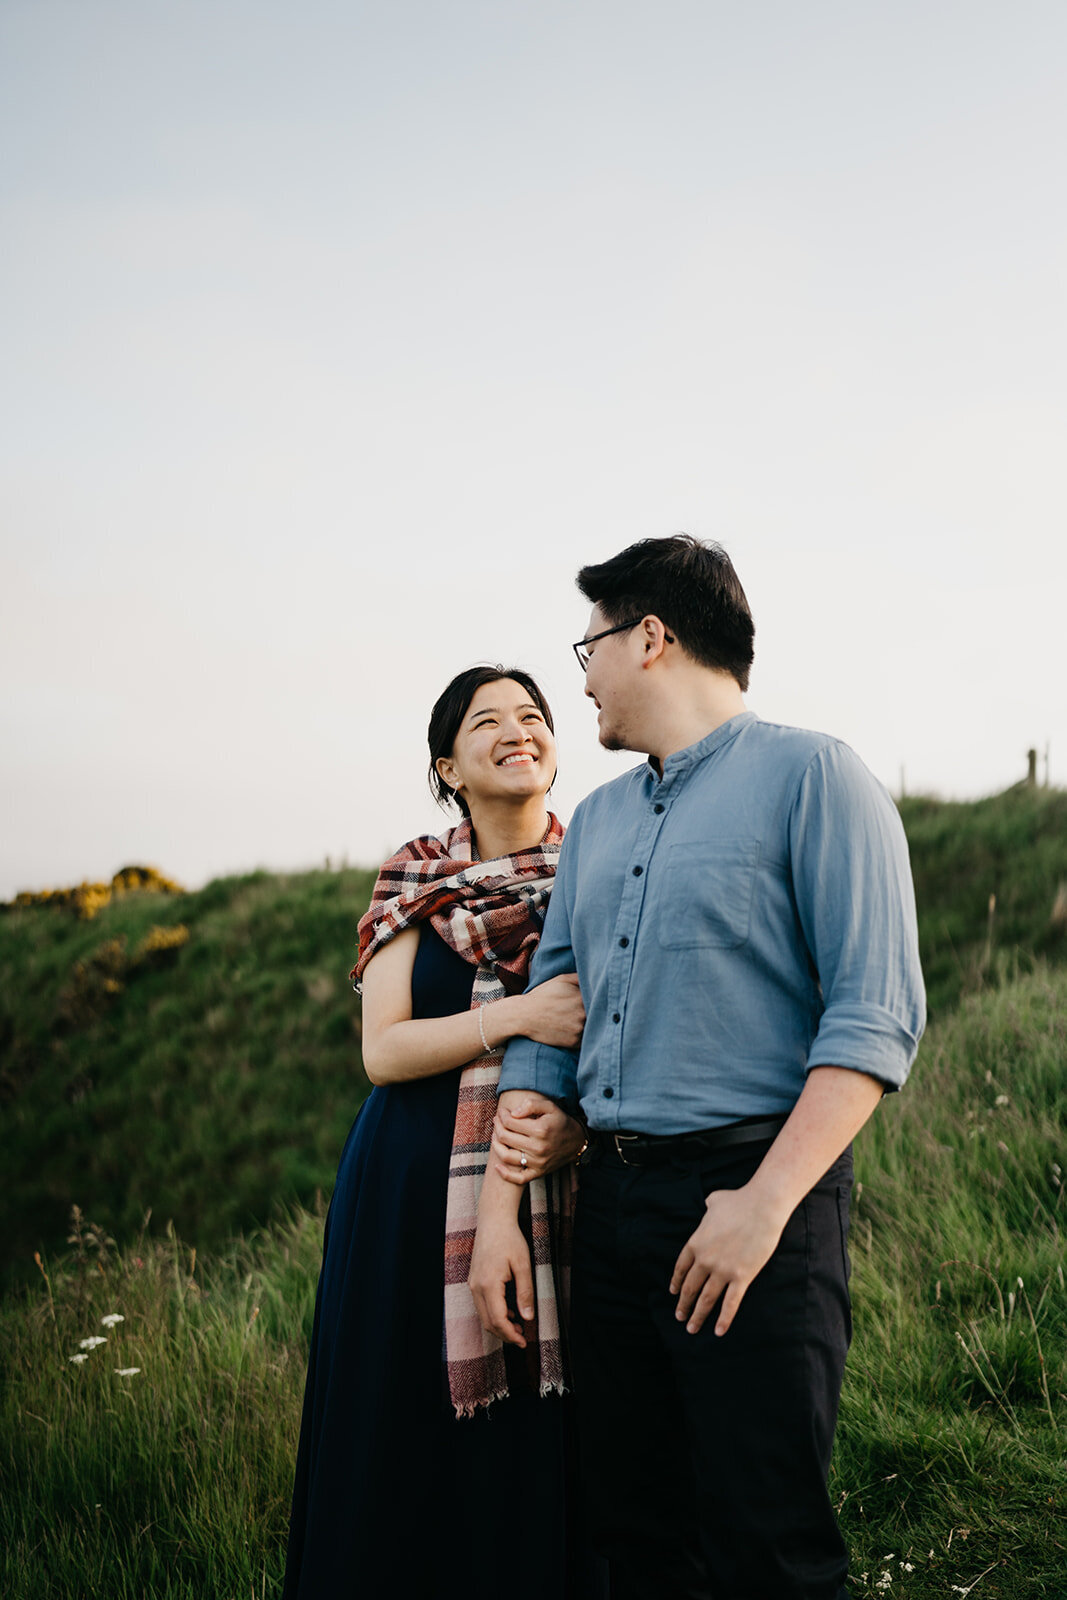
(649, 1149)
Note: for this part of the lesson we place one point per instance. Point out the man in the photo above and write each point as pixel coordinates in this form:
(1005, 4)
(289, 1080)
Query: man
(740, 915)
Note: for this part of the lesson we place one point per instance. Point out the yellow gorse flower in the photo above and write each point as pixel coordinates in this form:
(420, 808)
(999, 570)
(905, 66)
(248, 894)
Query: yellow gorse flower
(86, 899)
(159, 939)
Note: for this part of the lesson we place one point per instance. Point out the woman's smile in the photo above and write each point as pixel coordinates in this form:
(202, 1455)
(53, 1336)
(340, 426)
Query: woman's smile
(504, 731)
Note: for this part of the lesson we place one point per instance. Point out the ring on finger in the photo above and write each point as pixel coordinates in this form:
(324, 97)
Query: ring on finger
(523, 1163)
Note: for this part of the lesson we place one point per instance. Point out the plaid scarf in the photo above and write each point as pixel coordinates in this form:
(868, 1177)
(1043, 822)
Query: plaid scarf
(490, 913)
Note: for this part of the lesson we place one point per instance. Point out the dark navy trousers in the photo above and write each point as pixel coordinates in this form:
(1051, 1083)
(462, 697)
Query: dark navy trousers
(706, 1458)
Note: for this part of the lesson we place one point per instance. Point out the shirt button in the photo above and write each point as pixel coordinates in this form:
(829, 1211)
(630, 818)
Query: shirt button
(609, 1093)
(615, 1017)
(624, 941)
(638, 871)
(657, 809)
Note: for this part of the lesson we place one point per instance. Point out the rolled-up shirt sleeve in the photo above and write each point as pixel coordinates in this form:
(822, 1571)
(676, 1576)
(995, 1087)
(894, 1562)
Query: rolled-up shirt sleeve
(856, 905)
(544, 1067)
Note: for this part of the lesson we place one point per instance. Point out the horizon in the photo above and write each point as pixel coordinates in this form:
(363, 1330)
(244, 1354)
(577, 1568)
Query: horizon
(346, 864)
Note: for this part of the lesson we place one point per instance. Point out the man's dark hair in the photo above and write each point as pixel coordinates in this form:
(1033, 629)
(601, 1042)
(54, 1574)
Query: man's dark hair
(690, 586)
(452, 706)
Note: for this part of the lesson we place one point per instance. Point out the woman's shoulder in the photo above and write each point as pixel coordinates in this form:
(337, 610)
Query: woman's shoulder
(426, 847)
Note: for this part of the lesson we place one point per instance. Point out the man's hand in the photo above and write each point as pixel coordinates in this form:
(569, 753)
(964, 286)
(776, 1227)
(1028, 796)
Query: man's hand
(529, 1125)
(735, 1240)
(742, 1227)
(501, 1257)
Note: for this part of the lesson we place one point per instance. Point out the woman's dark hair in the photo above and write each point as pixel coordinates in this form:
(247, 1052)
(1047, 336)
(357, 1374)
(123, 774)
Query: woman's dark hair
(451, 708)
(690, 586)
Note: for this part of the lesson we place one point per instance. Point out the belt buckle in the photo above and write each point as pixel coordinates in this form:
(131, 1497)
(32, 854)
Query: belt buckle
(619, 1139)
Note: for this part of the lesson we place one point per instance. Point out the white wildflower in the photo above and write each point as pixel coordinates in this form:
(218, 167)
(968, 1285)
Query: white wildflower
(127, 1372)
(82, 1357)
(92, 1342)
(112, 1317)
(907, 1566)
(1002, 1100)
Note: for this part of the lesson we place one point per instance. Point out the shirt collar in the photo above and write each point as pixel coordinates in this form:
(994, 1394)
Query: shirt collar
(682, 761)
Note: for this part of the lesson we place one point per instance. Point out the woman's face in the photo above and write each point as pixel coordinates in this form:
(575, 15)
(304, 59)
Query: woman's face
(504, 748)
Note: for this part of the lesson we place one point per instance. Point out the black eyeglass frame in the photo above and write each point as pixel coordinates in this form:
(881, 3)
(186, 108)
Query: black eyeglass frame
(579, 648)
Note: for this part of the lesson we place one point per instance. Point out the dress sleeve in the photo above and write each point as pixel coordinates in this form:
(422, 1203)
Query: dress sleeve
(856, 903)
(527, 1064)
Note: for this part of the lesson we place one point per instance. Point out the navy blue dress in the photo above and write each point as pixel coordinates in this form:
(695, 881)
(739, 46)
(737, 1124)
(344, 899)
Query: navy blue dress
(394, 1495)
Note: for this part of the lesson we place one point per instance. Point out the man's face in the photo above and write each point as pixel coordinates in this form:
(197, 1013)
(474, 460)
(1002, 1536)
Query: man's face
(609, 681)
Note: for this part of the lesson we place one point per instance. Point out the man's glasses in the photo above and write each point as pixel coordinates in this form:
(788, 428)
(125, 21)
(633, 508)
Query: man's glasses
(580, 648)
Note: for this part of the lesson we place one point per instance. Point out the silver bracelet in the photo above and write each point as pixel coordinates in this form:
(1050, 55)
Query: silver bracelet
(487, 1047)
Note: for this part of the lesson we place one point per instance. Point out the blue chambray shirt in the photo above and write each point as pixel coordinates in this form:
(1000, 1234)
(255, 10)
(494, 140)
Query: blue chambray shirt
(745, 917)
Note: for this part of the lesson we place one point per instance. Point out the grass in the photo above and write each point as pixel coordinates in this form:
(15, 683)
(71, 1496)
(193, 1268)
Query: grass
(991, 887)
(954, 1416)
(949, 1472)
(173, 1481)
(221, 1074)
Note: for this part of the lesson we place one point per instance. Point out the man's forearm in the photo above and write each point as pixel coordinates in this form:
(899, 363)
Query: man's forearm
(833, 1106)
(544, 1069)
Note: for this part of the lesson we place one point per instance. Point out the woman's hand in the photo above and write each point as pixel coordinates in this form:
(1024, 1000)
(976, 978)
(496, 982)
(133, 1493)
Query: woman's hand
(553, 1013)
(501, 1258)
(532, 1136)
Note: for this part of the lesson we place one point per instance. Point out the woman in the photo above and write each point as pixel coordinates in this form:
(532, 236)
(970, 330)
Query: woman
(409, 1482)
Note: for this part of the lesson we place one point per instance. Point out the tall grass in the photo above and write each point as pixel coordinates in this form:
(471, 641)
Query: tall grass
(171, 1480)
(949, 1470)
(950, 1451)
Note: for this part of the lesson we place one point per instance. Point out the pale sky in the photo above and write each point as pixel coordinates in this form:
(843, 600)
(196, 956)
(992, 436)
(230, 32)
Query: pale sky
(336, 337)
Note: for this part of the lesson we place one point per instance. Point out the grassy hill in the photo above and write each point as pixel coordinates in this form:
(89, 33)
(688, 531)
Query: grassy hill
(198, 1054)
(991, 887)
(207, 1074)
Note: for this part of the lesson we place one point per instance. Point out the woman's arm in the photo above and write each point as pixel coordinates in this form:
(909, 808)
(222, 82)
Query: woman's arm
(501, 1256)
(398, 1047)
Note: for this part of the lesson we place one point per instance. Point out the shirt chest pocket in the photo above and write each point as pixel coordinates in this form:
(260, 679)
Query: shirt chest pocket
(708, 887)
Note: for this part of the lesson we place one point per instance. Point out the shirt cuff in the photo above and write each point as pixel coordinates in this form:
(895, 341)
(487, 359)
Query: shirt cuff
(552, 1072)
(865, 1039)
